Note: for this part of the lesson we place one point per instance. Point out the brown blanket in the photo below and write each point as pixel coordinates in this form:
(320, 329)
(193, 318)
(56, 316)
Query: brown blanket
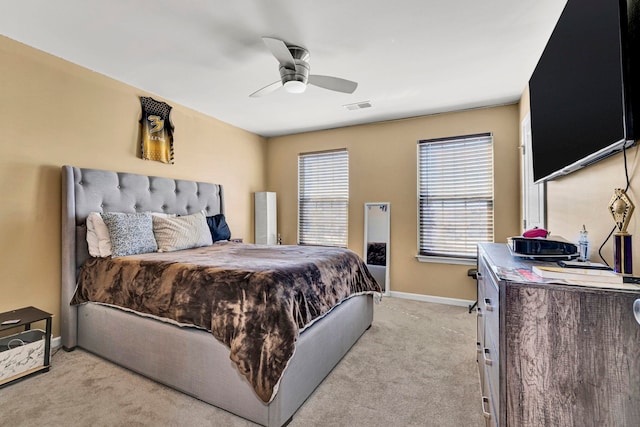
(255, 299)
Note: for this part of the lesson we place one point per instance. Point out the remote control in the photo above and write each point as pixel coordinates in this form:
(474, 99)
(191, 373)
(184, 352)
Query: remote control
(11, 322)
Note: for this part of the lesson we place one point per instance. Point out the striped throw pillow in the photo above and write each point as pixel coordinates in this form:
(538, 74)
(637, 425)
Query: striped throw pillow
(181, 232)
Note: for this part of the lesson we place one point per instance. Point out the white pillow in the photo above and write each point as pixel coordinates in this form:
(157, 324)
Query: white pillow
(98, 236)
(182, 232)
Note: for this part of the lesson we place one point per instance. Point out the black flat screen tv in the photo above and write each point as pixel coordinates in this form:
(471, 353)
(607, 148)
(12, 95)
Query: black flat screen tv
(582, 95)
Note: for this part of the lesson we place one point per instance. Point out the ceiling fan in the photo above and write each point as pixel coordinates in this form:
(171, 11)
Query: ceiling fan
(294, 71)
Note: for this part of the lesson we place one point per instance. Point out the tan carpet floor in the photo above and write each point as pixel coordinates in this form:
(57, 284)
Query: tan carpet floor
(415, 367)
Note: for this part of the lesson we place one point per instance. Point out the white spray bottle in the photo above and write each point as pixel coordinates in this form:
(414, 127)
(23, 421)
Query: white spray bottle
(583, 245)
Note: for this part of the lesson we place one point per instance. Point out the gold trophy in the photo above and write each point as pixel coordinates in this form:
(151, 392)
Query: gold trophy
(621, 209)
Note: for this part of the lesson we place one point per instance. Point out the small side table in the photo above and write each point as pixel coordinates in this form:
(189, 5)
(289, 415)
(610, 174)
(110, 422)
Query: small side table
(26, 316)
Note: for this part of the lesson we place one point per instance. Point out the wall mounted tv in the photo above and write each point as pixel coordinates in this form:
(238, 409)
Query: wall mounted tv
(583, 93)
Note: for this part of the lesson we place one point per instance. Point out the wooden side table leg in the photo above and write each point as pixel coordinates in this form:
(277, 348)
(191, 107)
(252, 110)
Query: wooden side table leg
(47, 343)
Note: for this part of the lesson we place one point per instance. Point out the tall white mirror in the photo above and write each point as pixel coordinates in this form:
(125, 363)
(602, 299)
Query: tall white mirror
(376, 241)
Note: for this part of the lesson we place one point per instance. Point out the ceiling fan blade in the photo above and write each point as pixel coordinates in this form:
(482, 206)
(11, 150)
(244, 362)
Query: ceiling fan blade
(280, 50)
(267, 89)
(333, 83)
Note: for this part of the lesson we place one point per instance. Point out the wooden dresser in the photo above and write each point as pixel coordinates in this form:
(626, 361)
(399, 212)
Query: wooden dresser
(553, 354)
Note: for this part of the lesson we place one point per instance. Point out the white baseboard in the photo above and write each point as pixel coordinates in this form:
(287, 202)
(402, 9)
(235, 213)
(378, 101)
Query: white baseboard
(56, 342)
(433, 298)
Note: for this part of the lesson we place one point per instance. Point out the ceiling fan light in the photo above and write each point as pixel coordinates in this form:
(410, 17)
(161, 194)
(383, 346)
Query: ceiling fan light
(295, 86)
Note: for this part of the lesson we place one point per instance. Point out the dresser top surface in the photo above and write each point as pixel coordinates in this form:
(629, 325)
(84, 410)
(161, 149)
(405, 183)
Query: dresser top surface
(510, 268)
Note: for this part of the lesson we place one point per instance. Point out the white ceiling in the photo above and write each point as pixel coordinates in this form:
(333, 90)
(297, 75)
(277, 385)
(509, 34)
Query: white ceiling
(410, 57)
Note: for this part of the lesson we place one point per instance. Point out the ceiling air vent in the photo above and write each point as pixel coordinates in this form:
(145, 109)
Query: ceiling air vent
(358, 105)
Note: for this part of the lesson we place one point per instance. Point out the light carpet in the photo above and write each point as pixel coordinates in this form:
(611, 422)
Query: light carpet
(416, 366)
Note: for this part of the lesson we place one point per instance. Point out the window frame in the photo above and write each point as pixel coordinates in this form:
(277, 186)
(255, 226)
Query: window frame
(340, 239)
(457, 258)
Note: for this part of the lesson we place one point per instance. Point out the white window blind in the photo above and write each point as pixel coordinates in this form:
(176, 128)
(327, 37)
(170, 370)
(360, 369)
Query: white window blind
(323, 198)
(455, 195)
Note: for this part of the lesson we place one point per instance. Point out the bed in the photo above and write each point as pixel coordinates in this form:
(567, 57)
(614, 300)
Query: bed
(180, 354)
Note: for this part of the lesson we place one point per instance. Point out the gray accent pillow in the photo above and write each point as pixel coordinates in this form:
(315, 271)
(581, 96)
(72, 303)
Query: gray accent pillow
(130, 233)
(182, 232)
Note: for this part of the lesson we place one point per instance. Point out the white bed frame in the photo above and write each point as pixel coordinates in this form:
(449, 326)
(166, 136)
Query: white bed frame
(187, 359)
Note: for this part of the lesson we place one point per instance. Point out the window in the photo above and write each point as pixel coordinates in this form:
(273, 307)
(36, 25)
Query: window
(323, 198)
(455, 195)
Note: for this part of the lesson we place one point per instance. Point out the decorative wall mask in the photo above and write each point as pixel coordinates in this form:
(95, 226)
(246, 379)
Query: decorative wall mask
(156, 131)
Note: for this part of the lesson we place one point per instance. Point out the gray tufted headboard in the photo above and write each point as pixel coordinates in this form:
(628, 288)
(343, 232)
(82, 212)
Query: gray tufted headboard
(93, 190)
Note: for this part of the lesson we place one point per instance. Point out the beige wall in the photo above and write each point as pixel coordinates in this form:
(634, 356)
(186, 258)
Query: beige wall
(382, 162)
(54, 113)
(583, 197)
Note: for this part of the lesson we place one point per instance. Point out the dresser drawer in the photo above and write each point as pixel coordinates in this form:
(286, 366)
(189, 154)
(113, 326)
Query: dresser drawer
(491, 363)
(480, 343)
(490, 308)
(488, 408)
